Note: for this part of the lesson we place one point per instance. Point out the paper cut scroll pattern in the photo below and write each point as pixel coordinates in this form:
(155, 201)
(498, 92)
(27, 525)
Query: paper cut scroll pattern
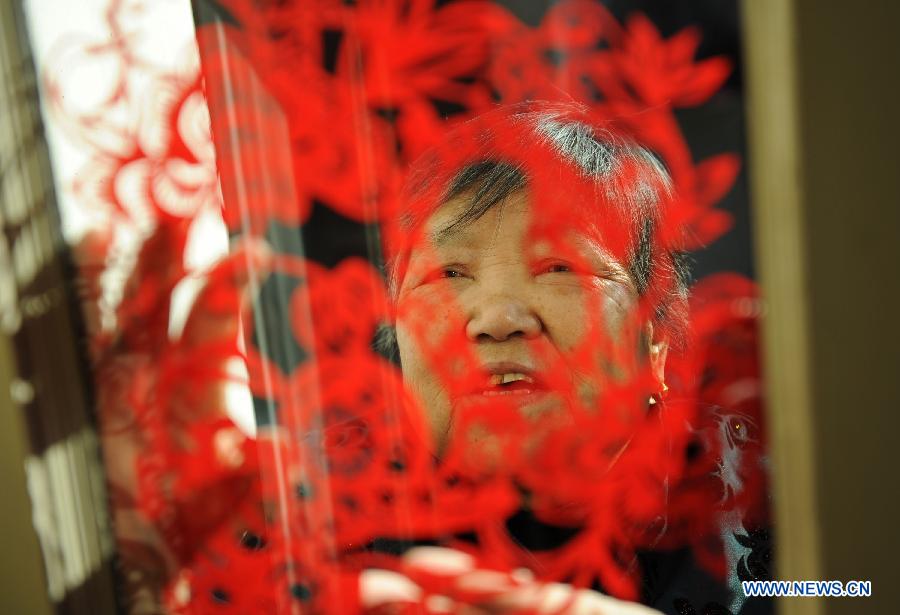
(329, 104)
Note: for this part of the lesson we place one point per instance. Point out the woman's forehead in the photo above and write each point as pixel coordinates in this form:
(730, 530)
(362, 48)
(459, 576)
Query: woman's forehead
(517, 216)
(452, 222)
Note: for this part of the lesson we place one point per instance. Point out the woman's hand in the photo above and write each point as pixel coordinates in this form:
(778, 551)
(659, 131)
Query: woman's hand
(449, 581)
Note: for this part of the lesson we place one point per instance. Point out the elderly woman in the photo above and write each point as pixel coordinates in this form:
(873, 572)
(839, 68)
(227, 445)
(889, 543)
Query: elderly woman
(531, 242)
(534, 278)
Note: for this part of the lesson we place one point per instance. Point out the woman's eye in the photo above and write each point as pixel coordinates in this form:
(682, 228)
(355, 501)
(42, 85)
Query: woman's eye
(445, 273)
(557, 268)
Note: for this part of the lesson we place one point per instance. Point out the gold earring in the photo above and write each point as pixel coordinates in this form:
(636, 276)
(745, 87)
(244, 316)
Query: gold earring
(657, 397)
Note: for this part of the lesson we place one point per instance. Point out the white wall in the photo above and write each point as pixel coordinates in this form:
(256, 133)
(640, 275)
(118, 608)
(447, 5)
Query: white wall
(161, 35)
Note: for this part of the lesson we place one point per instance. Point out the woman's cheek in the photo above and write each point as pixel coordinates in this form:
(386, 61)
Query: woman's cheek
(563, 310)
(428, 327)
(434, 318)
(594, 328)
(423, 383)
(593, 315)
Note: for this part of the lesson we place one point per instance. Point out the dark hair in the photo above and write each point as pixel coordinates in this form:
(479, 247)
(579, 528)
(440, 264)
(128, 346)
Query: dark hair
(487, 177)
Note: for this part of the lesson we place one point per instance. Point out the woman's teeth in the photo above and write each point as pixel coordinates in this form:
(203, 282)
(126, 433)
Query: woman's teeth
(501, 379)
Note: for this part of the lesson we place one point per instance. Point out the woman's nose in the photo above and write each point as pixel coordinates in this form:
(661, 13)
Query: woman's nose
(502, 316)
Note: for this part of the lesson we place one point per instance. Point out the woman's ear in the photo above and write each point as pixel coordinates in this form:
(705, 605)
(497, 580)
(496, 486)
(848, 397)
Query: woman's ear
(657, 351)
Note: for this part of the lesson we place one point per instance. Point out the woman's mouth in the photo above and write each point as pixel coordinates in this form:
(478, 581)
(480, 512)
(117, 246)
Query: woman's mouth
(512, 380)
(511, 383)
(507, 387)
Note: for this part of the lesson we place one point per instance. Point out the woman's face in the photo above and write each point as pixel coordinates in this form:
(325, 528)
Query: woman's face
(492, 310)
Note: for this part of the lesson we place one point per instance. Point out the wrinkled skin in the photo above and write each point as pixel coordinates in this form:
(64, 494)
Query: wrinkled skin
(518, 302)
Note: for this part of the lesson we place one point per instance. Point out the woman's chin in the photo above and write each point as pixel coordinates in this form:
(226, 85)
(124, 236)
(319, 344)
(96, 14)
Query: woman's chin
(501, 430)
(530, 404)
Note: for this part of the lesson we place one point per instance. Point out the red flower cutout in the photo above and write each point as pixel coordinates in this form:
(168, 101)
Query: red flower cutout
(663, 72)
(337, 311)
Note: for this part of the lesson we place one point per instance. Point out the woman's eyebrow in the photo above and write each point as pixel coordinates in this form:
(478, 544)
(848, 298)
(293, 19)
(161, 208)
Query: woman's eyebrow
(447, 234)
